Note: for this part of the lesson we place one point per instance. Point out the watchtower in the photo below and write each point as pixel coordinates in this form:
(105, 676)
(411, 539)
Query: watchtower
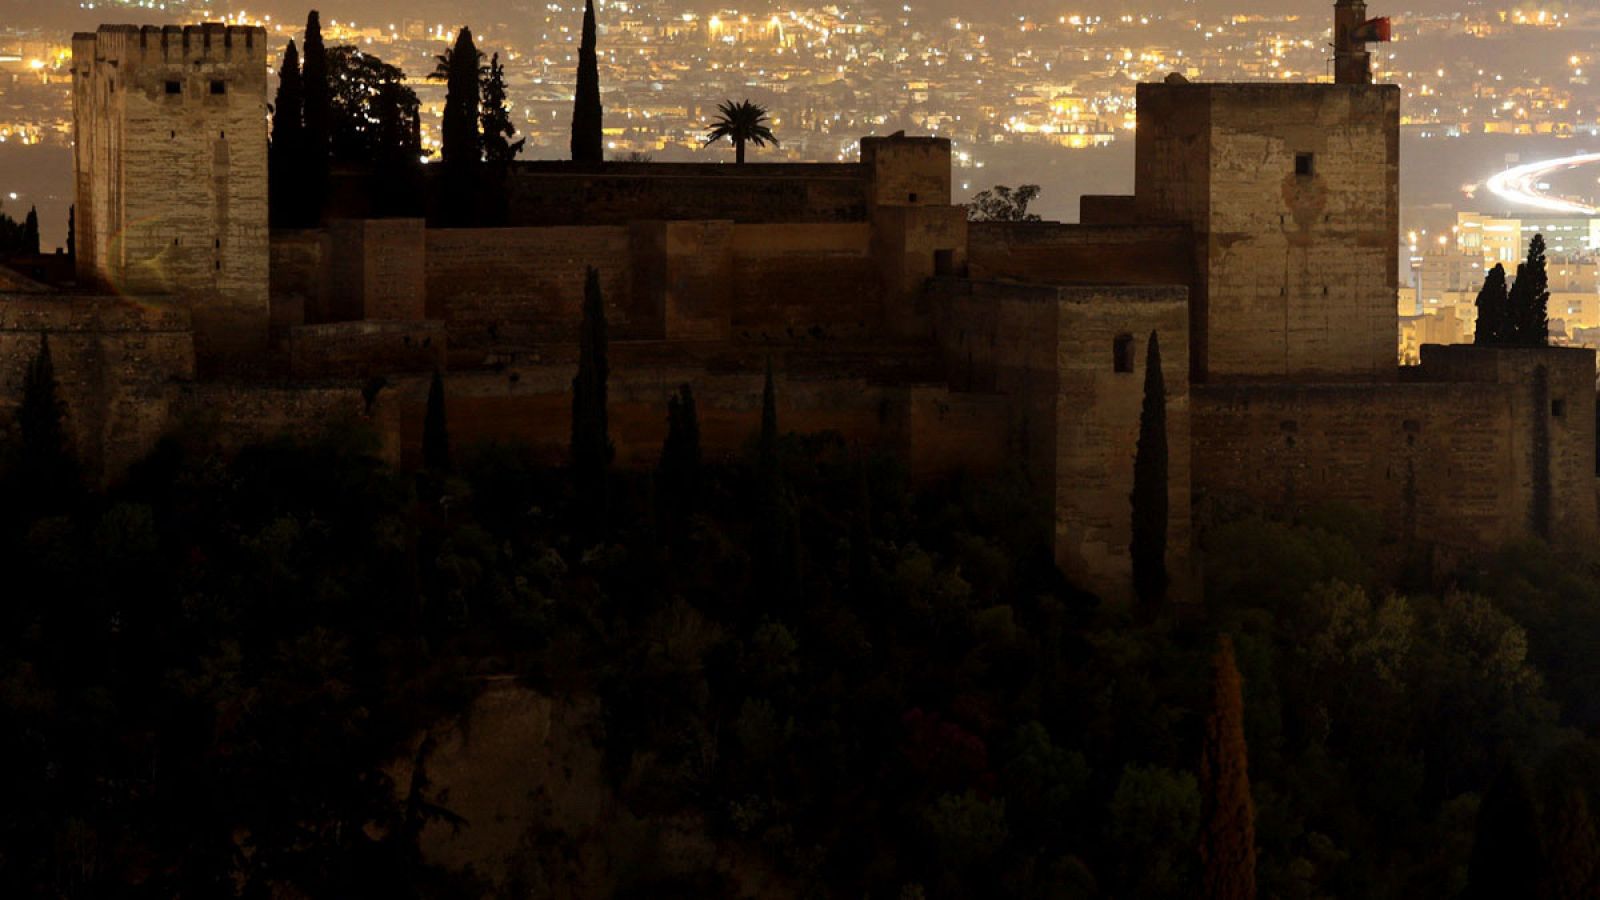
(171, 168)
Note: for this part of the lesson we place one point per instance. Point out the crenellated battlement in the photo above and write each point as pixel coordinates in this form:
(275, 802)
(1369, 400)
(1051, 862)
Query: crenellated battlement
(212, 42)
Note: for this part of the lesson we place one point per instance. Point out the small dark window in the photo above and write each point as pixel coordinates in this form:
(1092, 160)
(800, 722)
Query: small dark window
(944, 262)
(174, 87)
(219, 265)
(219, 86)
(1122, 353)
(1558, 407)
(174, 242)
(911, 198)
(1304, 164)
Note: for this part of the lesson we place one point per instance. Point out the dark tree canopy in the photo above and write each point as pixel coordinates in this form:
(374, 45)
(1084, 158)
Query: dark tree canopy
(287, 151)
(435, 429)
(678, 476)
(1529, 299)
(1494, 310)
(374, 112)
(498, 148)
(591, 438)
(1227, 813)
(1003, 204)
(741, 123)
(1148, 545)
(588, 117)
(318, 94)
(1507, 850)
(462, 143)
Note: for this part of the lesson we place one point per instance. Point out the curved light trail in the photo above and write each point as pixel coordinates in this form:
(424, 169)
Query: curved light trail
(1521, 185)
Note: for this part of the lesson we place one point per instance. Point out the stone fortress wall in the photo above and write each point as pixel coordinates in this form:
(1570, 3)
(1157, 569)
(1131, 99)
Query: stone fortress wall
(1258, 247)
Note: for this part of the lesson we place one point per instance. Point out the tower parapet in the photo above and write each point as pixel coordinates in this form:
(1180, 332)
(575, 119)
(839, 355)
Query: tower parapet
(171, 170)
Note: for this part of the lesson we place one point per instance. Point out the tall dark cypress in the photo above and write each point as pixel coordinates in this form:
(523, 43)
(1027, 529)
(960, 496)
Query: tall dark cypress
(462, 149)
(587, 116)
(287, 149)
(1494, 310)
(1529, 299)
(72, 233)
(30, 231)
(679, 472)
(591, 439)
(1148, 544)
(435, 429)
(773, 556)
(46, 470)
(1507, 849)
(1227, 813)
(317, 136)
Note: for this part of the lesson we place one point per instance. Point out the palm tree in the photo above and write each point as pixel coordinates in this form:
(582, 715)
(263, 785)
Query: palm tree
(441, 66)
(741, 122)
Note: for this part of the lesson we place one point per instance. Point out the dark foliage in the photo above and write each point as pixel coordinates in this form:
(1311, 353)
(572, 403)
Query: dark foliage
(318, 134)
(1529, 299)
(741, 123)
(1148, 546)
(19, 238)
(678, 476)
(1227, 814)
(1507, 852)
(435, 429)
(462, 143)
(286, 153)
(587, 115)
(1494, 310)
(591, 438)
(72, 231)
(1003, 204)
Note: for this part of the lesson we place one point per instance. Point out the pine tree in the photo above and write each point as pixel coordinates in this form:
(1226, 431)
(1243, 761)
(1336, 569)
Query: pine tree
(591, 441)
(287, 150)
(1148, 545)
(317, 135)
(30, 231)
(1507, 852)
(1227, 816)
(1494, 310)
(587, 114)
(679, 471)
(495, 118)
(1529, 299)
(1574, 850)
(462, 149)
(435, 429)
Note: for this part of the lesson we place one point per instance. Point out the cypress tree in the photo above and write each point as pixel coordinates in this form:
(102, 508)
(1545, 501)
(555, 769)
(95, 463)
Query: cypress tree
(72, 232)
(1507, 853)
(46, 470)
(1227, 816)
(1529, 298)
(1148, 545)
(317, 135)
(495, 118)
(587, 115)
(435, 429)
(1494, 310)
(591, 440)
(679, 470)
(30, 231)
(1574, 850)
(287, 149)
(462, 149)
(774, 553)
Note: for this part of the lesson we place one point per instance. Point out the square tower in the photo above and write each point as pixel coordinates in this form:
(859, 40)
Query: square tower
(1292, 192)
(171, 169)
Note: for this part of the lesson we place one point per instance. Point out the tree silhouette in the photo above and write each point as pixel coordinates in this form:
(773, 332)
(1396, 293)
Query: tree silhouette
(46, 471)
(441, 65)
(1003, 204)
(462, 150)
(287, 150)
(1494, 310)
(1227, 816)
(30, 231)
(679, 471)
(435, 429)
(495, 118)
(741, 123)
(1573, 849)
(318, 94)
(1148, 544)
(773, 553)
(72, 232)
(591, 440)
(587, 114)
(1529, 299)
(1507, 851)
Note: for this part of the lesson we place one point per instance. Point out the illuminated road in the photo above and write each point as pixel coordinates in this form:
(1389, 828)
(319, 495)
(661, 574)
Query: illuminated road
(1521, 185)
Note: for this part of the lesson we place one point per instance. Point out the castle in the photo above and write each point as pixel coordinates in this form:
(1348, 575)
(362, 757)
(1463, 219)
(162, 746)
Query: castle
(1259, 245)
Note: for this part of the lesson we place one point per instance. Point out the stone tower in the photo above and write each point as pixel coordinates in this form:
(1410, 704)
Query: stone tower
(171, 167)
